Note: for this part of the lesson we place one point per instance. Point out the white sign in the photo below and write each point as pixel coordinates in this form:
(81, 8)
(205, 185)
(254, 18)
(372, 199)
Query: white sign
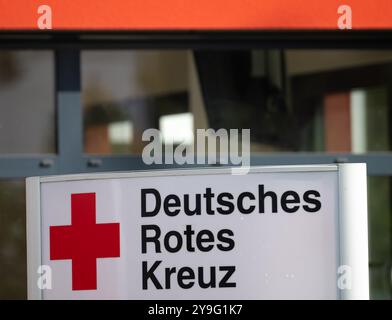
(287, 232)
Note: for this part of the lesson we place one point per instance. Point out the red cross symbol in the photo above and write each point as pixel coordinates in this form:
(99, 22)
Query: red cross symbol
(84, 241)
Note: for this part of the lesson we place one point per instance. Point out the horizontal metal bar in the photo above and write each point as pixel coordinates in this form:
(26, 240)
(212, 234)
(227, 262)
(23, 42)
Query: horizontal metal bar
(377, 163)
(234, 39)
(23, 166)
(115, 163)
(188, 172)
(37, 165)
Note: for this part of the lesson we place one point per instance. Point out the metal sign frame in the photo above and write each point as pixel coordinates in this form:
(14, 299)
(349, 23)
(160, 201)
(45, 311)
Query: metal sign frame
(351, 220)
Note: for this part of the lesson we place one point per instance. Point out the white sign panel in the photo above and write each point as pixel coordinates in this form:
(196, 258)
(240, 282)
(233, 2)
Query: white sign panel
(291, 232)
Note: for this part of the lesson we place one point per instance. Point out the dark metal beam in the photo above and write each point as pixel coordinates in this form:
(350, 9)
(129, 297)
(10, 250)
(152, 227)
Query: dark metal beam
(228, 39)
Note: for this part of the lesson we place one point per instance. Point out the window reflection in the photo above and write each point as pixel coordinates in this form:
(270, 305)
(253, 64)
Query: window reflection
(27, 102)
(134, 87)
(13, 266)
(292, 100)
(380, 236)
(177, 128)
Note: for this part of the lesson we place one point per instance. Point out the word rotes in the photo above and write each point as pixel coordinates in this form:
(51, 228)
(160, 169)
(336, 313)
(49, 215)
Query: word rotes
(226, 203)
(174, 241)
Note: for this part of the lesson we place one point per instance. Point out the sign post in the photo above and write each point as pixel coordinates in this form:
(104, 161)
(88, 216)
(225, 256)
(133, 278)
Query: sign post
(279, 232)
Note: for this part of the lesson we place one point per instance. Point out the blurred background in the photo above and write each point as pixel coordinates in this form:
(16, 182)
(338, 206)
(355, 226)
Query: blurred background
(66, 111)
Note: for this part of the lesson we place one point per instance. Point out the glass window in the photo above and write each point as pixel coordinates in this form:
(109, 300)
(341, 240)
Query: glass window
(13, 282)
(300, 100)
(292, 100)
(27, 102)
(380, 237)
(125, 92)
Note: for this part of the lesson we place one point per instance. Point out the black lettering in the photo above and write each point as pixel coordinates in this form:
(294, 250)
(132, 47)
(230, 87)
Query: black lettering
(202, 283)
(222, 202)
(178, 245)
(225, 239)
(200, 239)
(153, 239)
(315, 202)
(197, 210)
(149, 274)
(188, 234)
(285, 200)
(171, 201)
(224, 281)
(240, 202)
(263, 195)
(168, 273)
(154, 212)
(185, 273)
(208, 195)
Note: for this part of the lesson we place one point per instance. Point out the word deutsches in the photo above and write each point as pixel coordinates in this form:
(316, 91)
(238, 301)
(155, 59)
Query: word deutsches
(223, 203)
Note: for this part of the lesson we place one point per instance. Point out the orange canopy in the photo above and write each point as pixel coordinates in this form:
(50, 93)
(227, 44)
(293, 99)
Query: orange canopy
(194, 14)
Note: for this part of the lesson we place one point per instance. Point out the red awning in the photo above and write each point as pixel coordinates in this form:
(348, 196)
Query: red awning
(194, 14)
